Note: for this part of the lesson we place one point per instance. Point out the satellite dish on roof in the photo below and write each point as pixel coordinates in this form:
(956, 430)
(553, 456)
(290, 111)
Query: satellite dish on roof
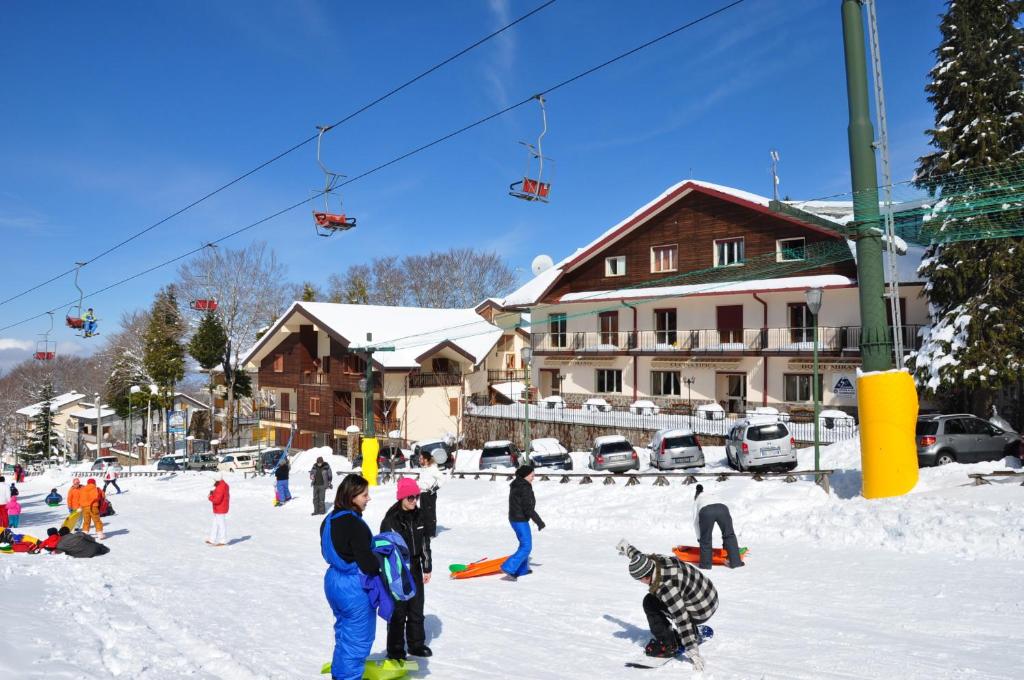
(541, 263)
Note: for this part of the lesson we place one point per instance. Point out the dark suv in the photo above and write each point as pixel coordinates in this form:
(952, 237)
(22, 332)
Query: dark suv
(962, 438)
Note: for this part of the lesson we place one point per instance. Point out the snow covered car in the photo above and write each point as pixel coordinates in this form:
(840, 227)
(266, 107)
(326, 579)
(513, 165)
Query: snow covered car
(548, 452)
(500, 453)
(962, 438)
(757, 443)
(233, 462)
(672, 449)
(102, 463)
(613, 453)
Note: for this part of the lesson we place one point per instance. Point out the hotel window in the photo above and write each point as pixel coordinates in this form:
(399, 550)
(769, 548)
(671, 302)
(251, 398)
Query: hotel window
(664, 258)
(728, 252)
(608, 324)
(279, 363)
(615, 266)
(609, 380)
(665, 326)
(665, 383)
(556, 327)
(790, 249)
(314, 406)
(798, 386)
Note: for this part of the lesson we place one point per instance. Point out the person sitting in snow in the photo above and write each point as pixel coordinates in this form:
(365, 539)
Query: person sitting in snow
(707, 512)
(89, 321)
(79, 544)
(49, 544)
(678, 598)
(53, 499)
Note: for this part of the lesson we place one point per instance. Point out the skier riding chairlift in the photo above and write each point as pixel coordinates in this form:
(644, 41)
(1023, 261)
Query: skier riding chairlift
(530, 189)
(327, 222)
(77, 321)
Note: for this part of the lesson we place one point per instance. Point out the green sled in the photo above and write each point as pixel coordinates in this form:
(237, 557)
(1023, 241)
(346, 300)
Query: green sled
(382, 669)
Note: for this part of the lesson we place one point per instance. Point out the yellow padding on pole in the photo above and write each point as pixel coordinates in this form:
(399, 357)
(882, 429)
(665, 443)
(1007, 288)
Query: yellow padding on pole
(888, 421)
(370, 448)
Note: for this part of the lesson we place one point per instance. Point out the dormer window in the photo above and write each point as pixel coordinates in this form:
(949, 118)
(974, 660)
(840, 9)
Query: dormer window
(790, 249)
(615, 266)
(664, 259)
(729, 252)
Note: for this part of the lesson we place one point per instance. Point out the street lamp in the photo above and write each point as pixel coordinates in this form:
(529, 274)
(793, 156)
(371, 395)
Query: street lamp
(134, 389)
(527, 355)
(689, 402)
(814, 306)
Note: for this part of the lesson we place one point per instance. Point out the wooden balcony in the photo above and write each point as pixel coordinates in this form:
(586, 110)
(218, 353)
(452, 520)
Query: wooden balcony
(834, 340)
(276, 415)
(506, 375)
(435, 379)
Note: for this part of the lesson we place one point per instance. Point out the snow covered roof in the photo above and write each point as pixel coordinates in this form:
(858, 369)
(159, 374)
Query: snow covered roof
(752, 286)
(56, 403)
(89, 413)
(513, 391)
(414, 332)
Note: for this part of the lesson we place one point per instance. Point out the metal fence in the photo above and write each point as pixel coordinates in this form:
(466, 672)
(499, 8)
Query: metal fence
(708, 423)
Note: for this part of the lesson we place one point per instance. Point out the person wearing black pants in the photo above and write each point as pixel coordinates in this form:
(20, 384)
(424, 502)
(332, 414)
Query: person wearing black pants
(407, 621)
(707, 512)
(657, 621)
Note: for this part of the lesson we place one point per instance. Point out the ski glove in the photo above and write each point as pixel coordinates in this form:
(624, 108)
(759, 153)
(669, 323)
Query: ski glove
(541, 525)
(697, 660)
(622, 546)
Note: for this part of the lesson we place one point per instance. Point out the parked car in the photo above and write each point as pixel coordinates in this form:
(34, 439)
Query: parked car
(613, 453)
(391, 458)
(178, 458)
(758, 443)
(233, 462)
(103, 462)
(269, 458)
(672, 449)
(168, 464)
(431, 446)
(500, 453)
(962, 438)
(201, 461)
(548, 452)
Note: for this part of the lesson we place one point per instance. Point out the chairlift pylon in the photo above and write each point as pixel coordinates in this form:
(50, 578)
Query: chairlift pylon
(46, 349)
(327, 222)
(530, 189)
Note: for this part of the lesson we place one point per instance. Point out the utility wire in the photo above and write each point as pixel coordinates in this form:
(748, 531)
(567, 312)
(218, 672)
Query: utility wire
(583, 74)
(284, 153)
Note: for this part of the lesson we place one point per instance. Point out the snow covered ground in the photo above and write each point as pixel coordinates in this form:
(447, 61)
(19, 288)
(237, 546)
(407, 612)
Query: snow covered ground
(922, 586)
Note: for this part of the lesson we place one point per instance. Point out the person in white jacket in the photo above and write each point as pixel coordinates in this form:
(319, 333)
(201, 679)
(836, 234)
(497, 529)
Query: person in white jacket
(5, 498)
(707, 512)
(430, 480)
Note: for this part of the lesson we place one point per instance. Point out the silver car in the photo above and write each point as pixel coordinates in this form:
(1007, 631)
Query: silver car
(758, 443)
(962, 438)
(613, 453)
(499, 454)
(671, 449)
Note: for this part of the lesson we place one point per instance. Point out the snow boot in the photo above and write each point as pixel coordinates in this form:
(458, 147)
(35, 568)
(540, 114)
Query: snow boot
(422, 650)
(660, 650)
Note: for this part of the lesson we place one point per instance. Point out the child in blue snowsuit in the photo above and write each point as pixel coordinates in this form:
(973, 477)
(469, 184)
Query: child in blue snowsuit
(521, 509)
(53, 499)
(89, 325)
(345, 543)
(281, 492)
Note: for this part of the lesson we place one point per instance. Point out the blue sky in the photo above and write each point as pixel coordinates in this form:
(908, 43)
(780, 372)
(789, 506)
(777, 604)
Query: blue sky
(115, 114)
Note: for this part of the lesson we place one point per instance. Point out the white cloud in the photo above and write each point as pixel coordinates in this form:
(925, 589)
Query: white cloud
(14, 343)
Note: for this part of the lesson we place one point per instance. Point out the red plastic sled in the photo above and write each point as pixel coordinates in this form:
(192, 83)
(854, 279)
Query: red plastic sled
(690, 553)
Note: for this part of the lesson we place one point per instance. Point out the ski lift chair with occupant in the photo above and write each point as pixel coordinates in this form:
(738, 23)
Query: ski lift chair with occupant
(327, 222)
(530, 189)
(75, 321)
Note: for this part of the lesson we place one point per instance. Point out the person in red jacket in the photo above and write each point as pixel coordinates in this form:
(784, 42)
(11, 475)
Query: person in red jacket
(219, 497)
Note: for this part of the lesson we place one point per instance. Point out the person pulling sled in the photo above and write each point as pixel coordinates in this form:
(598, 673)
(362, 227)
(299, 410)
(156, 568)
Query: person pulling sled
(679, 597)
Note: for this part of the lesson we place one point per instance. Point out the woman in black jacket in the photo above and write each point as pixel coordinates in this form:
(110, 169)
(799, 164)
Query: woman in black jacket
(521, 509)
(406, 624)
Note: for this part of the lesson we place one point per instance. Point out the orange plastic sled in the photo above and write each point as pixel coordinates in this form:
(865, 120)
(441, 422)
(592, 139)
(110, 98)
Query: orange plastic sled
(689, 553)
(481, 568)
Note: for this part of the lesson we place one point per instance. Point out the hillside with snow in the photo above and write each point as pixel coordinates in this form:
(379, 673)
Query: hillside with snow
(836, 586)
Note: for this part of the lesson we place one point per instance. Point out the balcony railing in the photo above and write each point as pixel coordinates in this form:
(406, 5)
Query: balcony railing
(379, 424)
(506, 374)
(798, 340)
(435, 379)
(277, 415)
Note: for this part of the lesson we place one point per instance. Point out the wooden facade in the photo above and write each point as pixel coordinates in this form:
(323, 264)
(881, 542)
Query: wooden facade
(693, 224)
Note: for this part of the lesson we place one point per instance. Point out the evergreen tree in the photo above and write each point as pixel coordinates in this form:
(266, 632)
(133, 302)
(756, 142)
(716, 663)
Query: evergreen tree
(308, 292)
(973, 345)
(164, 353)
(207, 347)
(43, 441)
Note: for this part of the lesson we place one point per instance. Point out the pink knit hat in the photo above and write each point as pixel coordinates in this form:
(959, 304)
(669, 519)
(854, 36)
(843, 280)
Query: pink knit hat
(407, 487)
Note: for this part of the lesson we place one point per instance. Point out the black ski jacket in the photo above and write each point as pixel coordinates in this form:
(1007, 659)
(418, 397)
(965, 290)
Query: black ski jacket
(409, 525)
(522, 503)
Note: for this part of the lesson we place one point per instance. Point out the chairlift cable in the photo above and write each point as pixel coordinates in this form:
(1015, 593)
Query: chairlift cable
(284, 153)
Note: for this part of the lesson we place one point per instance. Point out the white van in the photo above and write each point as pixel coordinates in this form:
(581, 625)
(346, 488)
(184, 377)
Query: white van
(232, 462)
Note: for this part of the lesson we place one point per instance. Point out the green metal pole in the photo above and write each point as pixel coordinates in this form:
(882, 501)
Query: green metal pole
(875, 341)
(817, 400)
(368, 427)
(526, 422)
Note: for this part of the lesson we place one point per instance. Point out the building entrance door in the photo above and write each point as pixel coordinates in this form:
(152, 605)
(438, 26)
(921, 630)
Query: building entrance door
(731, 391)
(550, 382)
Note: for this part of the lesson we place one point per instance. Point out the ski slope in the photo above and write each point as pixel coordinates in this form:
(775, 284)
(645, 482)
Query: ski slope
(923, 586)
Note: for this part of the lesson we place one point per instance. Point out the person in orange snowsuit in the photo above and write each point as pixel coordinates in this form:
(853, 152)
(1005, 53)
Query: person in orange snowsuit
(75, 498)
(90, 496)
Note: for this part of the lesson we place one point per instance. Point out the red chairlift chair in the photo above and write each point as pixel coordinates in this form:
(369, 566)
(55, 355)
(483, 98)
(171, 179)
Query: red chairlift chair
(204, 305)
(530, 189)
(325, 221)
(46, 349)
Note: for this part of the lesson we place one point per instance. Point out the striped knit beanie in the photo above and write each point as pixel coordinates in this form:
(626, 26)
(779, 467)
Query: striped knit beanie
(640, 565)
